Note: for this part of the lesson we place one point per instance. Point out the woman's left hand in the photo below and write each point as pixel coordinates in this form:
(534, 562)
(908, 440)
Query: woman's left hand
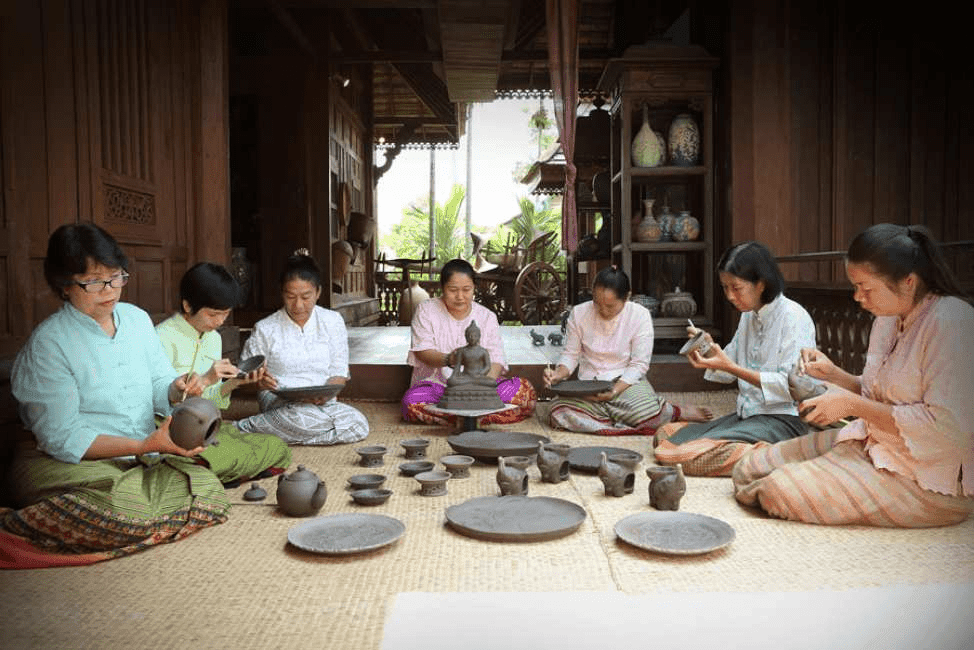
(831, 406)
(608, 395)
(718, 359)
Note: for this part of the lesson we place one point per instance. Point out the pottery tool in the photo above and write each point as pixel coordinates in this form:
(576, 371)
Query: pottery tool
(691, 324)
(192, 365)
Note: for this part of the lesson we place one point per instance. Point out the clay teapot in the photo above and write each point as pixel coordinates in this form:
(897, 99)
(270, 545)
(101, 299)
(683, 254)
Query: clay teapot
(194, 423)
(300, 493)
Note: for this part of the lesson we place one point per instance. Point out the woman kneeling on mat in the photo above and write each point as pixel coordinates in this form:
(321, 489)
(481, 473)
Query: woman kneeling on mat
(772, 331)
(610, 338)
(908, 459)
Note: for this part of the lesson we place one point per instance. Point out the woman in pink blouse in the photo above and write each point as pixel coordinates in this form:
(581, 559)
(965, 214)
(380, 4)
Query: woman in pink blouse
(437, 331)
(610, 338)
(907, 460)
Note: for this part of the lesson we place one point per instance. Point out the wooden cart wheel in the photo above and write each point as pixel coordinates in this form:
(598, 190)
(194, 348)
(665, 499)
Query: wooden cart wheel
(539, 294)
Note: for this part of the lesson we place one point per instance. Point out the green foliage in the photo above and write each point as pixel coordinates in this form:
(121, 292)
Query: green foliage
(531, 222)
(411, 236)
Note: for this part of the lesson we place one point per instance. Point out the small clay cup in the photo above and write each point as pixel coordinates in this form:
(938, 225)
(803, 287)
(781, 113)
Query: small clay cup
(628, 459)
(365, 481)
(433, 483)
(371, 497)
(458, 465)
(371, 456)
(699, 343)
(415, 448)
(414, 467)
(519, 462)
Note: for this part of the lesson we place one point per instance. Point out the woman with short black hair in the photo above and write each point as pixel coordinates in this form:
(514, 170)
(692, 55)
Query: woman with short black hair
(611, 338)
(765, 347)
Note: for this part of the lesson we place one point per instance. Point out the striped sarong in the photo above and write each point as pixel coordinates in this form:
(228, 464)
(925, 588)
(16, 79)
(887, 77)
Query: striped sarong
(109, 508)
(303, 423)
(638, 410)
(418, 399)
(815, 480)
(713, 448)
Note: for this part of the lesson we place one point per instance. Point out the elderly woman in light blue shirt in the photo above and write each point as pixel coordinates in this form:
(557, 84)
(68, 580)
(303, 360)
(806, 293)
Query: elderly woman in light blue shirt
(766, 346)
(104, 479)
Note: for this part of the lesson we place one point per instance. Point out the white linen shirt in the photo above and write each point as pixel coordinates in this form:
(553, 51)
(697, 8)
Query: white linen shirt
(768, 341)
(606, 349)
(301, 356)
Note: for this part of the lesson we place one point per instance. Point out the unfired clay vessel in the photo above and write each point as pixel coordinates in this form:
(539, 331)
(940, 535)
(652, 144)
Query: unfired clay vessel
(300, 493)
(553, 462)
(618, 479)
(371, 456)
(194, 423)
(510, 480)
(666, 486)
(415, 448)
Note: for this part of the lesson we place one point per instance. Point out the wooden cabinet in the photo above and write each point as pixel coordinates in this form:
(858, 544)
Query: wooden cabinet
(667, 81)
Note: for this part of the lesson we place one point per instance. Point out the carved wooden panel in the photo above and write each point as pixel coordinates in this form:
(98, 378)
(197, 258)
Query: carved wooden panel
(841, 326)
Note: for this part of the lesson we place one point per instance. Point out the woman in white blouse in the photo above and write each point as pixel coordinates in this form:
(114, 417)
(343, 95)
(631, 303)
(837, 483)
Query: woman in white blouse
(610, 338)
(772, 331)
(304, 345)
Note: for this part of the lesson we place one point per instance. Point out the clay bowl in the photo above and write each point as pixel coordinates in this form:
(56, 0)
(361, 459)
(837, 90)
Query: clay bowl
(412, 468)
(371, 456)
(433, 483)
(699, 343)
(629, 460)
(371, 497)
(415, 447)
(519, 462)
(365, 481)
(457, 465)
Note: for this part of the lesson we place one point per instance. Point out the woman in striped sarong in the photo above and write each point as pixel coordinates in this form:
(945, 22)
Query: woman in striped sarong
(907, 460)
(438, 330)
(610, 338)
(104, 480)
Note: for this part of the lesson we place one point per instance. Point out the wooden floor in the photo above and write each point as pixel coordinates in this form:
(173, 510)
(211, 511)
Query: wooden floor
(377, 362)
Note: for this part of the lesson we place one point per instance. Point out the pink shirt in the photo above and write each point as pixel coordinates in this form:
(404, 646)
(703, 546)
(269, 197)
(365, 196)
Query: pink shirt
(925, 369)
(433, 328)
(605, 349)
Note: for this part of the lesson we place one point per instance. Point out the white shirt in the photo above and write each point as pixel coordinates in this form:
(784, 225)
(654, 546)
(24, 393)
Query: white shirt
(301, 356)
(768, 341)
(621, 347)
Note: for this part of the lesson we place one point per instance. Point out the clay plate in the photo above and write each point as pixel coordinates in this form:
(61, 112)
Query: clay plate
(346, 534)
(587, 459)
(486, 446)
(249, 365)
(580, 387)
(412, 468)
(309, 392)
(675, 533)
(515, 518)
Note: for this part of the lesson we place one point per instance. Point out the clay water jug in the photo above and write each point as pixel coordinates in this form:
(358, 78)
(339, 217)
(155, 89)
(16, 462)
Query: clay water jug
(194, 423)
(648, 147)
(300, 493)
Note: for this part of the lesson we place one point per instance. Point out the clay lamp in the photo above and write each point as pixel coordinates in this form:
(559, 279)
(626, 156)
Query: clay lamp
(457, 465)
(300, 493)
(415, 448)
(433, 483)
(371, 456)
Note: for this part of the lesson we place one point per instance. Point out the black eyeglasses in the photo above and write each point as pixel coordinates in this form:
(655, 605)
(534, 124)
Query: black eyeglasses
(95, 286)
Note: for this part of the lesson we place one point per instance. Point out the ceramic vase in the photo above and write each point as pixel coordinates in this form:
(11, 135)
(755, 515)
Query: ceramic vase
(667, 220)
(685, 227)
(242, 271)
(684, 141)
(409, 300)
(648, 229)
(648, 148)
(678, 304)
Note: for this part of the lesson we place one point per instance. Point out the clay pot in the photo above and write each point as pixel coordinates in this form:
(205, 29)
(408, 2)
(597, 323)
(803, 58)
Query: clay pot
(684, 141)
(371, 496)
(686, 227)
(618, 480)
(666, 486)
(300, 493)
(371, 456)
(628, 459)
(553, 462)
(803, 387)
(194, 423)
(510, 480)
(678, 304)
(648, 230)
(415, 448)
(667, 222)
(518, 462)
(648, 147)
(361, 229)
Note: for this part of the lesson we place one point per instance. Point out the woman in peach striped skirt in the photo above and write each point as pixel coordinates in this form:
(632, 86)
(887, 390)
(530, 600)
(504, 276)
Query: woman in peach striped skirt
(907, 460)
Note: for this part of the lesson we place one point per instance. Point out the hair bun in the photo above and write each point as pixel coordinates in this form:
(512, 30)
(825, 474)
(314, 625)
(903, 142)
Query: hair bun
(302, 251)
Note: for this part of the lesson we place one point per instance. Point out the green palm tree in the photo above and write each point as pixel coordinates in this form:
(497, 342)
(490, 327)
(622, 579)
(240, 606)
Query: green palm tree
(411, 236)
(531, 221)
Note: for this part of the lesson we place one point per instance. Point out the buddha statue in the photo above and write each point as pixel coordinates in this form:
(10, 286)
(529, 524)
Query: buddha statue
(470, 386)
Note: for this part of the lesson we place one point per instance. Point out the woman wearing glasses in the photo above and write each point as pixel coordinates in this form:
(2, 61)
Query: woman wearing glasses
(104, 479)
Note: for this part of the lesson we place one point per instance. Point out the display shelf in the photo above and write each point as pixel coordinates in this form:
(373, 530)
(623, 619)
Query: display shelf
(663, 247)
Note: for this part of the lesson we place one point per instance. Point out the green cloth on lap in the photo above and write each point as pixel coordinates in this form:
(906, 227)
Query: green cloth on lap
(239, 455)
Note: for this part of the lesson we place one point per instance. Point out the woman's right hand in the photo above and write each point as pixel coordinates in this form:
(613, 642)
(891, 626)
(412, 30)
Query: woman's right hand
(814, 363)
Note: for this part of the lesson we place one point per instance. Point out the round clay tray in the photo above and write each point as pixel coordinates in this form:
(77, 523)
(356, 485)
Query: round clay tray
(674, 533)
(309, 392)
(249, 365)
(580, 387)
(365, 481)
(587, 459)
(516, 518)
(345, 534)
(486, 446)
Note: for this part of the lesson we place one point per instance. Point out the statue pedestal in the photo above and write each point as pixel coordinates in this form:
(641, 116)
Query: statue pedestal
(468, 417)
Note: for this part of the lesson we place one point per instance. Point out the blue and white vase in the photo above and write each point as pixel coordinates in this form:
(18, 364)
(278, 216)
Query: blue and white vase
(684, 141)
